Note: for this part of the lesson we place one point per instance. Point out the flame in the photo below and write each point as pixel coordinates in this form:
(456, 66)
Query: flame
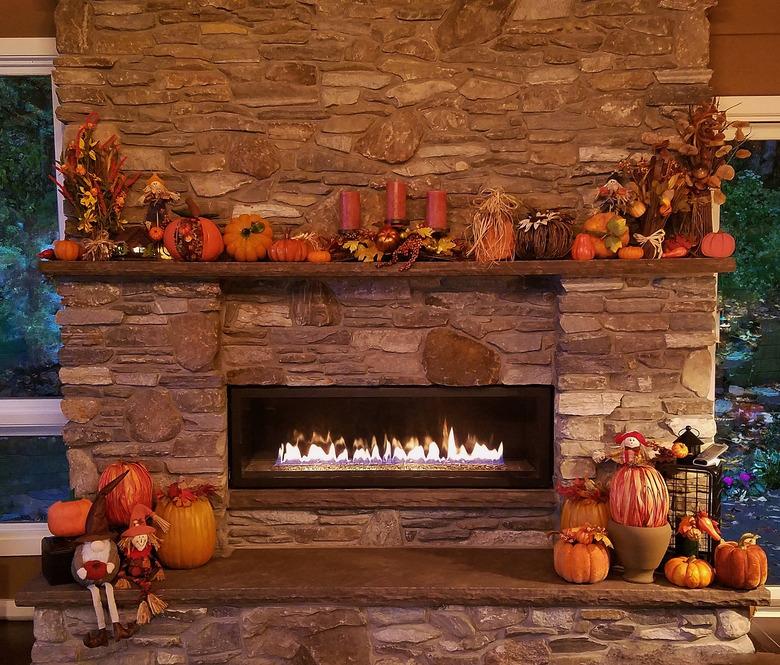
(325, 451)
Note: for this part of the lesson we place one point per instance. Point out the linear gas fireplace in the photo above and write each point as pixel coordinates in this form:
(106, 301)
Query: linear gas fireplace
(400, 436)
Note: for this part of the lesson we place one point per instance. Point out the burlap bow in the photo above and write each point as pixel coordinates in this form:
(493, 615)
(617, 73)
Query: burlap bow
(656, 241)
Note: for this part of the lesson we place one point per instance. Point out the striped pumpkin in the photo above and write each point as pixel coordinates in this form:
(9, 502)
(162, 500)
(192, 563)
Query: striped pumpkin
(134, 489)
(638, 497)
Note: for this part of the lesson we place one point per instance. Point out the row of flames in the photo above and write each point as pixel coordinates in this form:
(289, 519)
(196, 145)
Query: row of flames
(325, 450)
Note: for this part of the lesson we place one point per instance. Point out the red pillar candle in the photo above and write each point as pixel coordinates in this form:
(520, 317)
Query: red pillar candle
(350, 210)
(436, 212)
(396, 200)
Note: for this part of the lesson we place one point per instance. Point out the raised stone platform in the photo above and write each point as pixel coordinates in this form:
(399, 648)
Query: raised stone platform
(403, 606)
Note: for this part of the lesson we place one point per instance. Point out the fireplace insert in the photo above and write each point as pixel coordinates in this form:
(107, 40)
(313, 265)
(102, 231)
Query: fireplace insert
(390, 437)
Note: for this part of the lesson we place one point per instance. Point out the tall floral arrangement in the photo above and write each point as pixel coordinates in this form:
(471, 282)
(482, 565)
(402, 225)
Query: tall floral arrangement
(94, 186)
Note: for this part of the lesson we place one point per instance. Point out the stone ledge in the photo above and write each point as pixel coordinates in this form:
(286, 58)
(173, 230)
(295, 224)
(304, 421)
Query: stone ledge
(157, 270)
(396, 577)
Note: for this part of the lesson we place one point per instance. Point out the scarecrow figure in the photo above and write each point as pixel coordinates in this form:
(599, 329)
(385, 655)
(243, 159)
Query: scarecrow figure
(157, 197)
(96, 564)
(629, 448)
(141, 566)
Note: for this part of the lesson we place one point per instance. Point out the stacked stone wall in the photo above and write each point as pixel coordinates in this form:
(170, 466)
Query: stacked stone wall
(276, 106)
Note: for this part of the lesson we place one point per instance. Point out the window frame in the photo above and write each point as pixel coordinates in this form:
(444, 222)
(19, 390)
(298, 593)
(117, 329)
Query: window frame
(763, 114)
(33, 56)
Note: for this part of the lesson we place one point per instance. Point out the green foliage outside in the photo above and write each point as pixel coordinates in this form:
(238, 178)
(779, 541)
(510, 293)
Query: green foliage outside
(29, 338)
(752, 216)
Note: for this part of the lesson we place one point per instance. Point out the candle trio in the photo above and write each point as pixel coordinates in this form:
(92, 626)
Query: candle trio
(396, 216)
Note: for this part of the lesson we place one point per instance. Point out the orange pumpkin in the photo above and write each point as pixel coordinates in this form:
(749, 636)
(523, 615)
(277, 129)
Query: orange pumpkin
(583, 249)
(741, 565)
(631, 253)
(601, 249)
(319, 256)
(67, 250)
(135, 488)
(689, 572)
(718, 245)
(193, 238)
(248, 237)
(68, 519)
(289, 249)
(581, 555)
(679, 450)
(578, 512)
(192, 536)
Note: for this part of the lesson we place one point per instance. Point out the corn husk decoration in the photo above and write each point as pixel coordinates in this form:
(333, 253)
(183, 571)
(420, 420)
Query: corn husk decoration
(492, 231)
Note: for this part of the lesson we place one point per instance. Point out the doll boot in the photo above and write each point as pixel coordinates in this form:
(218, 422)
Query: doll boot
(96, 638)
(123, 632)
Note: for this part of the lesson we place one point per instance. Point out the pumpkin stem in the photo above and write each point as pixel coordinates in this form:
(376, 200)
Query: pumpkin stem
(246, 232)
(748, 539)
(690, 559)
(257, 227)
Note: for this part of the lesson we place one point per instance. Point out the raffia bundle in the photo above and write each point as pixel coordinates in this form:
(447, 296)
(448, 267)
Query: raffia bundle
(492, 231)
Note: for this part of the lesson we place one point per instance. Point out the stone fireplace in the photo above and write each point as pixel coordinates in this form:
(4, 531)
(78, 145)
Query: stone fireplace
(152, 367)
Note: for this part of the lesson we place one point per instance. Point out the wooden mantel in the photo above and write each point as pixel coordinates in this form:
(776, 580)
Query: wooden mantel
(142, 270)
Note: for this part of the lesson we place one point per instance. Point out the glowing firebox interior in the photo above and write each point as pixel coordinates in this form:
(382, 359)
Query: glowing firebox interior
(318, 452)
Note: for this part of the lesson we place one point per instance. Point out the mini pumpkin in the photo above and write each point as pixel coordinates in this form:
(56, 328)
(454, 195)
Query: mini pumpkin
(718, 245)
(689, 572)
(741, 565)
(581, 555)
(319, 256)
(583, 249)
(289, 249)
(631, 253)
(679, 450)
(586, 502)
(156, 233)
(67, 250)
(68, 519)
(248, 237)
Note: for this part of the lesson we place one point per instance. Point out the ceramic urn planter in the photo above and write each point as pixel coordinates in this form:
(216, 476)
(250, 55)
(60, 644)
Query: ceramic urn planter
(640, 549)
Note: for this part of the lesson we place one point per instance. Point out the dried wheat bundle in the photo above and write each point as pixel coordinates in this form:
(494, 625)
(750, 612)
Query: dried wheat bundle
(545, 235)
(492, 231)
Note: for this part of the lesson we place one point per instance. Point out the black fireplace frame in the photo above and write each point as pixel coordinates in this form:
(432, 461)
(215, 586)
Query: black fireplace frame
(540, 397)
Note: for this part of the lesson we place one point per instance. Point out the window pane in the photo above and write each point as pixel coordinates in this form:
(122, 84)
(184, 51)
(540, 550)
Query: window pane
(33, 475)
(748, 405)
(29, 338)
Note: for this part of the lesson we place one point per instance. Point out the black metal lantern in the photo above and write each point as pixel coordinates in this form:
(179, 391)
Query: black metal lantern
(689, 437)
(692, 488)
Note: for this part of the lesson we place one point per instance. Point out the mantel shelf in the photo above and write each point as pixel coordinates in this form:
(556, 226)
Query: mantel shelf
(140, 270)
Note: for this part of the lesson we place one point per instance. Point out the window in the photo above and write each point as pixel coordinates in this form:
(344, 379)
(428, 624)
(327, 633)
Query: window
(748, 388)
(33, 465)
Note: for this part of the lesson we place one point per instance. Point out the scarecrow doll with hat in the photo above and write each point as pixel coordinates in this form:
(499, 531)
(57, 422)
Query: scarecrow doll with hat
(630, 448)
(96, 564)
(140, 565)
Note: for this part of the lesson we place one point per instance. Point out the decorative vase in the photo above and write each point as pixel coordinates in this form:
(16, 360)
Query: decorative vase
(640, 549)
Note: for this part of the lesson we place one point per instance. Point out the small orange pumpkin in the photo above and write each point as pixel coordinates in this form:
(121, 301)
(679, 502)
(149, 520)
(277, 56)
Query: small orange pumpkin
(689, 572)
(583, 248)
(67, 250)
(718, 245)
(631, 253)
(741, 565)
(289, 249)
(679, 450)
(68, 519)
(586, 502)
(581, 555)
(248, 237)
(319, 256)
(601, 249)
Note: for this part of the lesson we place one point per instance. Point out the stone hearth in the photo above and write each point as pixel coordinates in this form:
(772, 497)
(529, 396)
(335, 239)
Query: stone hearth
(410, 606)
